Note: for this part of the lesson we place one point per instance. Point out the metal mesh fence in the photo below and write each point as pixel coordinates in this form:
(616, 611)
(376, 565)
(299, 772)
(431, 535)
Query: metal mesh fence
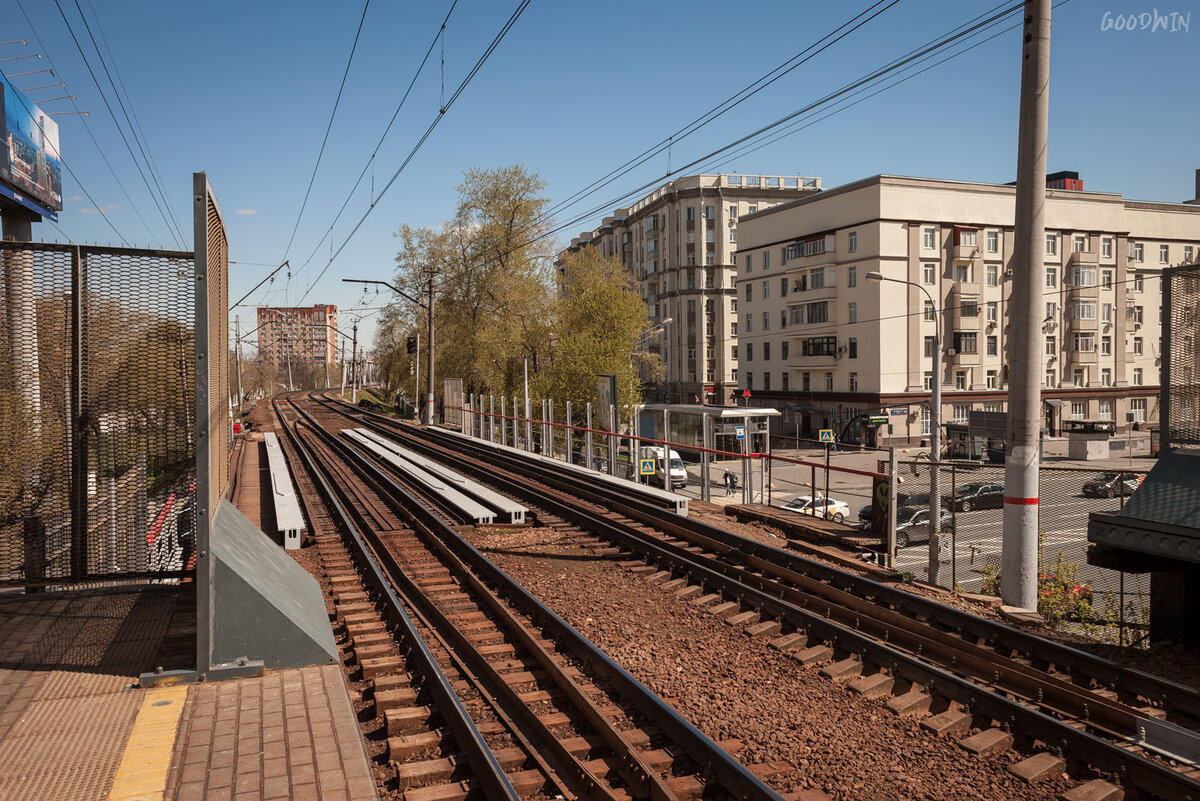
(96, 431)
(1071, 591)
(1181, 357)
(216, 255)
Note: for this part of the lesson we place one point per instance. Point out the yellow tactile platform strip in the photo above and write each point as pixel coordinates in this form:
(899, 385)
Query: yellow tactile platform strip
(142, 774)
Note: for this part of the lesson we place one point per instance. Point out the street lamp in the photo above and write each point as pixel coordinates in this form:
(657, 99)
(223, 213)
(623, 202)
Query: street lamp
(428, 306)
(935, 428)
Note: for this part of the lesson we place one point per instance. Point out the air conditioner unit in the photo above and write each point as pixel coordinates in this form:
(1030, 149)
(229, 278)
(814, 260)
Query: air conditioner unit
(842, 349)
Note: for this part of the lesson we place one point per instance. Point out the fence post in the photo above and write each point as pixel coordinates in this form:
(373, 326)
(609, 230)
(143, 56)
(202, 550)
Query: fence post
(747, 494)
(516, 423)
(613, 445)
(570, 437)
(953, 524)
(587, 437)
(635, 452)
(891, 521)
(138, 551)
(110, 557)
(706, 444)
(503, 422)
(825, 507)
(35, 551)
(79, 438)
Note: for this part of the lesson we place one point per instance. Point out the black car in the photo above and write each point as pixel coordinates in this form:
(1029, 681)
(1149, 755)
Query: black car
(1108, 485)
(977, 496)
(912, 524)
(902, 499)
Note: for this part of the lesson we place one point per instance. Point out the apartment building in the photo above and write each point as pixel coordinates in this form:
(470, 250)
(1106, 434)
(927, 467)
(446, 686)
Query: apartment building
(680, 243)
(301, 334)
(832, 349)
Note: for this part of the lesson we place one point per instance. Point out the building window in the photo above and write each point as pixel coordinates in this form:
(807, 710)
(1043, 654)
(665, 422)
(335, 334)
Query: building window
(991, 379)
(852, 345)
(1137, 315)
(968, 238)
(960, 379)
(993, 275)
(766, 351)
(749, 351)
(992, 346)
(852, 315)
(1078, 376)
(1135, 251)
(969, 308)
(710, 212)
(1106, 247)
(829, 382)
(733, 351)
(930, 313)
(806, 382)
(733, 212)
(1106, 409)
(1187, 254)
(993, 242)
(1079, 244)
(928, 384)
(928, 241)
(1083, 275)
(1050, 377)
(993, 309)
(691, 212)
(732, 234)
(925, 419)
(854, 382)
(783, 350)
(1078, 410)
(766, 381)
(749, 322)
(1051, 276)
(1051, 311)
(852, 277)
(853, 244)
(1083, 310)
(1106, 279)
(930, 344)
(1137, 346)
(1138, 407)
(965, 342)
(752, 210)
(1106, 345)
(783, 287)
(766, 259)
(766, 318)
(959, 413)
(1106, 312)
(1162, 254)
(929, 274)
(819, 346)
(784, 381)
(962, 273)
(749, 380)
(1051, 244)
(1085, 342)
(783, 318)
(1106, 376)
(749, 291)
(766, 290)
(1138, 285)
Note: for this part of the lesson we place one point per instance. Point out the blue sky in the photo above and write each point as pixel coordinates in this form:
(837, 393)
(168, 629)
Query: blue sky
(244, 91)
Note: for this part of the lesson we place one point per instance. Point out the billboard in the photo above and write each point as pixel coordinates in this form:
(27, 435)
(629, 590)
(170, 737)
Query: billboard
(29, 156)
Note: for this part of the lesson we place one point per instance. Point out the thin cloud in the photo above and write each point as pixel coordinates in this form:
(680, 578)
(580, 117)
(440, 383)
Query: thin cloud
(247, 211)
(74, 198)
(103, 210)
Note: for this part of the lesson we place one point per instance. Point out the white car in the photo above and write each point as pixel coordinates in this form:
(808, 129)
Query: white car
(826, 508)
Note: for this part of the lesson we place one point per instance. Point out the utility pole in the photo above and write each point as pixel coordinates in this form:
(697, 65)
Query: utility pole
(1019, 555)
(354, 365)
(429, 355)
(417, 380)
(343, 392)
(237, 348)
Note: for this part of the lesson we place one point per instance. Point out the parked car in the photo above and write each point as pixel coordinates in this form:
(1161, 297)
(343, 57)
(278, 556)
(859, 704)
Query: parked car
(672, 466)
(977, 496)
(1108, 485)
(827, 508)
(912, 524)
(902, 499)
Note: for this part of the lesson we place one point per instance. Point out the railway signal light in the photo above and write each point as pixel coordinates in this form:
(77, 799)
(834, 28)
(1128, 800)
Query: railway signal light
(411, 344)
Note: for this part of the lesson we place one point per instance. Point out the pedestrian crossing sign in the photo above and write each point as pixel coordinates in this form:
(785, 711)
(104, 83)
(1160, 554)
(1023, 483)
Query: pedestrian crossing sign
(646, 468)
(826, 435)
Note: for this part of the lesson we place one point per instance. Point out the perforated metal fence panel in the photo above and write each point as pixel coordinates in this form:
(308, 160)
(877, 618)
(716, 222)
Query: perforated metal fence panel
(1180, 419)
(97, 429)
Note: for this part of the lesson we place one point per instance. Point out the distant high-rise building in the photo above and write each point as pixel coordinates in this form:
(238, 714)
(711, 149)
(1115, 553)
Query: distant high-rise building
(301, 333)
(679, 242)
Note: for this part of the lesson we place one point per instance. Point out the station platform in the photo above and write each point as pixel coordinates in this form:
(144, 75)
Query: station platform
(74, 724)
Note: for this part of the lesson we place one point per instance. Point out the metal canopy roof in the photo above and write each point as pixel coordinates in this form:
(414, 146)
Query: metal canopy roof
(715, 411)
(1162, 517)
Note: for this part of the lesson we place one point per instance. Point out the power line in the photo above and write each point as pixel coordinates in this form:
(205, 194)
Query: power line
(328, 128)
(88, 129)
(120, 130)
(370, 161)
(428, 131)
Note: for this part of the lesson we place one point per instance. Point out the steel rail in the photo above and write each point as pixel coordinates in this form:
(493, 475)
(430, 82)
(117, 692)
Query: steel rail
(709, 757)
(1146, 773)
(484, 766)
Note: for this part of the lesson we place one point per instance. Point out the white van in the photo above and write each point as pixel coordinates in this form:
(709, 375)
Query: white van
(679, 476)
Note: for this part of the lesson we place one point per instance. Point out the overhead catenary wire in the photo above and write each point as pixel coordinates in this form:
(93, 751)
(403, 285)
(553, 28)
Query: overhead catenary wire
(116, 122)
(328, 127)
(428, 132)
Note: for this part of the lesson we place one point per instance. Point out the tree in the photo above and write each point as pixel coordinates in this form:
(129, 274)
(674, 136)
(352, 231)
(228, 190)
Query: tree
(599, 321)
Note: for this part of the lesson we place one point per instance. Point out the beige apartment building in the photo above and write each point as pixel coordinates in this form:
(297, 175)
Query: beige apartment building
(832, 349)
(680, 243)
(299, 333)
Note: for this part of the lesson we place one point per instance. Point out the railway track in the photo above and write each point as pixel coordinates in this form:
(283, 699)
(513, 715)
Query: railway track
(1130, 725)
(444, 634)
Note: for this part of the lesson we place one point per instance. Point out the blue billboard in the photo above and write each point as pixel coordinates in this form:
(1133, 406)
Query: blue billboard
(29, 157)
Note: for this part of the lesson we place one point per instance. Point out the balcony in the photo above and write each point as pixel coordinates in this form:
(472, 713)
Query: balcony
(1079, 257)
(965, 359)
(1083, 292)
(1084, 356)
(964, 252)
(963, 304)
(1077, 324)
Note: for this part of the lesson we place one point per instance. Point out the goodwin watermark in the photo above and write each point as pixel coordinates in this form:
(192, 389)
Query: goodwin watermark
(1152, 21)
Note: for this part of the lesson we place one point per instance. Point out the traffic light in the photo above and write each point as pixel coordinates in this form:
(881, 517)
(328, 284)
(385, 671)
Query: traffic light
(412, 344)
